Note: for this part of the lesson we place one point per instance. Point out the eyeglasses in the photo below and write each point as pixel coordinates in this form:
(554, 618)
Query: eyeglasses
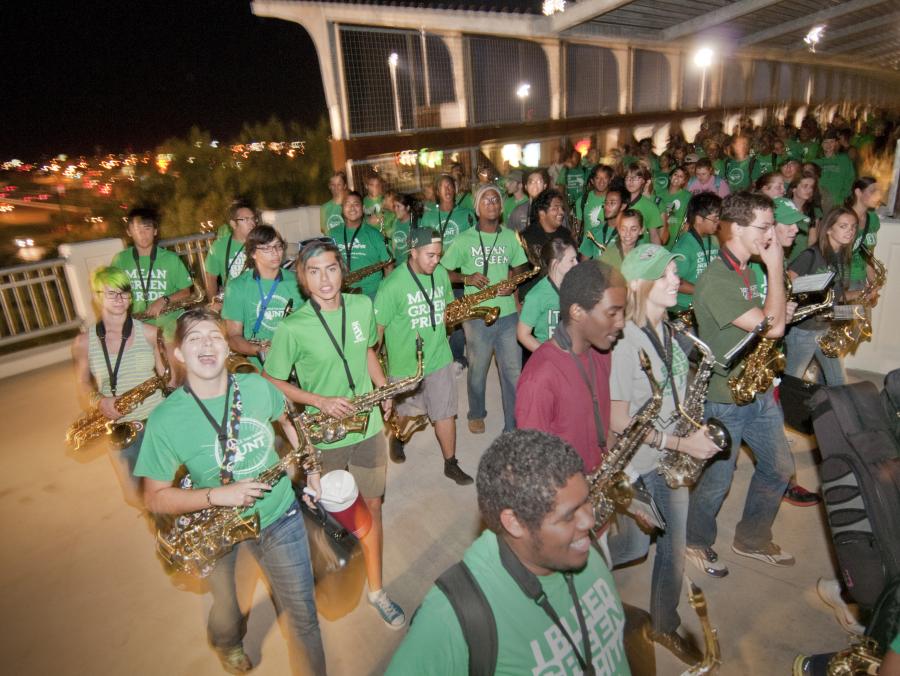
(490, 200)
(252, 219)
(116, 295)
(316, 240)
(765, 227)
(271, 248)
(712, 219)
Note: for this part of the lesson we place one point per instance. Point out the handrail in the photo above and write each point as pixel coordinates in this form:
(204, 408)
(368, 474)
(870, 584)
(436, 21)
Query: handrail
(35, 300)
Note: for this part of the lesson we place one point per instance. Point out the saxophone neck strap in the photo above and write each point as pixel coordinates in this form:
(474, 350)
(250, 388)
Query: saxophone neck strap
(339, 348)
(564, 340)
(486, 254)
(113, 371)
(226, 431)
(145, 287)
(665, 350)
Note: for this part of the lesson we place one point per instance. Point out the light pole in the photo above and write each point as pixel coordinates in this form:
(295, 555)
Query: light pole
(703, 59)
(393, 60)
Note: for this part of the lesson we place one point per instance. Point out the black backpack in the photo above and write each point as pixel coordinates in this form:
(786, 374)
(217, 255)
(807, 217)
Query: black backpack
(860, 473)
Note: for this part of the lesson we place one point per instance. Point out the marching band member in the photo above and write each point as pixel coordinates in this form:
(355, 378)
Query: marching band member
(607, 232)
(256, 301)
(219, 426)
(330, 342)
(332, 211)
(361, 244)
(118, 354)
(540, 311)
(227, 256)
(411, 303)
(698, 246)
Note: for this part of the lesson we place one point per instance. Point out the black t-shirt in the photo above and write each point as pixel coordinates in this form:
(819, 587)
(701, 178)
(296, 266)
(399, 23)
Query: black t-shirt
(810, 261)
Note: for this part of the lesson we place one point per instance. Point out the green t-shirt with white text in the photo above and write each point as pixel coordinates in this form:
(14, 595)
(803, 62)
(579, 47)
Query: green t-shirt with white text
(360, 248)
(858, 264)
(675, 206)
(652, 219)
(167, 276)
(572, 179)
(332, 216)
(589, 210)
(449, 224)
(540, 310)
(698, 253)
(737, 173)
(604, 234)
(226, 258)
(399, 242)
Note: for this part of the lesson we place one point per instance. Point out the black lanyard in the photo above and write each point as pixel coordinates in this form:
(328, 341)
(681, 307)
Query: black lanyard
(531, 587)
(228, 446)
(428, 300)
(612, 233)
(337, 348)
(486, 256)
(565, 342)
(228, 263)
(707, 253)
(101, 335)
(443, 224)
(348, 248)
(137, 263)
(665, 350)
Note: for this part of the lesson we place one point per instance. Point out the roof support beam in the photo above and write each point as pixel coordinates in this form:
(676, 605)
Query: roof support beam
(828, 42)
(863, 44)
(807, 21)
(719, 16)
(581, 12)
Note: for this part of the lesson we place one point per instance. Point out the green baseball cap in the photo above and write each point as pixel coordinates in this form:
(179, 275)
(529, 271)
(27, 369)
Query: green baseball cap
(419, 237)
(647, 261)
(786, 213)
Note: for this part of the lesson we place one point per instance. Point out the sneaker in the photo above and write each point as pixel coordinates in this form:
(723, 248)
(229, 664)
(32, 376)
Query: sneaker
(800, 497)
(770, 553)
(830, 592)
(390, 612)
(683, 648)
(235, 660)
(812, 665)
(396, 451)
(476, 426)
(706, 559)
(452, 470)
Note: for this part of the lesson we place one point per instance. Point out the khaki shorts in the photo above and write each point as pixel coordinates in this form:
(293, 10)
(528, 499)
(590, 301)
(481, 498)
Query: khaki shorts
(435, 396)
(366, 461)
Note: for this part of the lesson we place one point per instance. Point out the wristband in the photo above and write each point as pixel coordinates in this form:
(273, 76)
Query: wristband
(208, 497)
(167, 301)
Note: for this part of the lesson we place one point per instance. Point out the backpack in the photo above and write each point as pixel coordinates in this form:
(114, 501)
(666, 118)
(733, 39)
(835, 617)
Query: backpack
(860, 474)
(890, 401)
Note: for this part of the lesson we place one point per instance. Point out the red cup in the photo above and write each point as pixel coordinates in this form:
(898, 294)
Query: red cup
(340, 498)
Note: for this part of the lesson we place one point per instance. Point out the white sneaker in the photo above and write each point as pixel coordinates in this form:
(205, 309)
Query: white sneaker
(830, 592)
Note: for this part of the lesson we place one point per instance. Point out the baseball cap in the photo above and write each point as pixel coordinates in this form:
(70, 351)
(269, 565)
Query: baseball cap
(691, 158)
(786, 213)
(515, 175)
(419, 237)
(647, 261)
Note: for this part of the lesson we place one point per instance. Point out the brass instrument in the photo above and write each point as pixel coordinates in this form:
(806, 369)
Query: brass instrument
(195, 541)
(806, 311)
(681, 469)
(359, 275)
(862, 657)
(533, 254)
(322, 428)
(712, 657)
(197, 297)
(844, 337)
(608, 485)
(467, 307)
(590, 236)
(240, 363)
(759, 369)
(94, 424)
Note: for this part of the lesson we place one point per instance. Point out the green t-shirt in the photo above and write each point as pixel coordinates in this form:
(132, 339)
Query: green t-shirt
(838, 175)
(466, 201)
(332, 216)
(660, 181)
(301, 341)
(719, 167)
(226, 254)
(361, 250)
(604, 234)
(809, 151)
(572, 179)
(652, 219)
(675, 205)
(511, 203)
(449, 223)
(721, 297)
(372, 205)
(698, 253)
(541, 310)
(403, 310)
(870, 230)
(168, 276)
(501, 251)
(399, 242)
(589, 210)
(178, 433)
(528, 642)
(737, 173)
(244, 298)
(612, 256)
(763, 164)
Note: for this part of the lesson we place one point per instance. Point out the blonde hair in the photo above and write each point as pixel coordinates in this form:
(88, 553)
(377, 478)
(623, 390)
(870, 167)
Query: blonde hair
(636, 305)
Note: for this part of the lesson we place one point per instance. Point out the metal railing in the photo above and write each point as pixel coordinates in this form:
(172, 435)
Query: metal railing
(35, 301)
(193, 250)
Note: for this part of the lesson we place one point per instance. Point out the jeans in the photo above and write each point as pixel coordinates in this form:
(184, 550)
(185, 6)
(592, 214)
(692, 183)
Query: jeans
(631, 543)
(801, 346)
(761, 425)
(283, 553)
(484, 342)
(457, 336)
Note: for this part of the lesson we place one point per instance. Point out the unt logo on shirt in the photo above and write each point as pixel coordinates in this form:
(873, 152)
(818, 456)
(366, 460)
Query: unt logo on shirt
(358, 335)
(254, 441)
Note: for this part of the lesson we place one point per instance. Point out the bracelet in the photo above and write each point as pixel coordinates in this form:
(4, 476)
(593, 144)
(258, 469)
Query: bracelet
(465, 280)
(208, 497)
(664, 442)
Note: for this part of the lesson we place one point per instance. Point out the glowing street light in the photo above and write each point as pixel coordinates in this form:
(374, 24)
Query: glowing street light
(703, 59)
(813, 37)
(523, 90)
(393, 60)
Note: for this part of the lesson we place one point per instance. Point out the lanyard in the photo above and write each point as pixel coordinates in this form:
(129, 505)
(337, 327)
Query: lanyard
(428, 300)
(486, 256)
(137, 263)
(665, 351)
(443, 224)
(225, 432)
(228, 263)
(565, 342)
(114, 372)
(531, 587)
(732, 263)
(337, 348)
(706, 252)
(348, 247)
(611, 231)
(264, 300)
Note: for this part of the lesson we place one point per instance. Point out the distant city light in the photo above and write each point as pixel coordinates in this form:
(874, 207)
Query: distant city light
(393, 59)
(814, 36)
(703, 57)
(523, 90)
(553, 6)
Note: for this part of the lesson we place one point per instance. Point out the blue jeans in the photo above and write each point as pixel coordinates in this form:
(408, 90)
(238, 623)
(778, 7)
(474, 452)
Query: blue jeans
(761, 425)
(483, 342)
(283, 553)
(457, 336)
(801, 346)
(631, 543)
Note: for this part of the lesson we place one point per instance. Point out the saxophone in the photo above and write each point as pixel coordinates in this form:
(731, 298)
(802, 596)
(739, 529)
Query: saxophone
(608, 485)
(758, 370)
(712, 657)
(195, 541)
(197, 297)
(467, 307)
(322, 428)
(94, 424)
(844, 337)
(862, 657)
(240, 363)
(359, 275)
(590, 236)
(681, 469)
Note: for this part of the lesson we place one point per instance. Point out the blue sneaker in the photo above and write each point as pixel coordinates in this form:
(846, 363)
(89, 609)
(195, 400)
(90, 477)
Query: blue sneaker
(390, 612)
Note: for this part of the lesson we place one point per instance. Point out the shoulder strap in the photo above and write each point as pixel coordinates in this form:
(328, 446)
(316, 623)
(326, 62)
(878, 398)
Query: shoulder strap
(584, 199)
(476, 619)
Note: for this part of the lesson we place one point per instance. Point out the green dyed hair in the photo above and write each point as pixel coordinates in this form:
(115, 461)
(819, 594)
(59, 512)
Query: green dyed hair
(114, 278)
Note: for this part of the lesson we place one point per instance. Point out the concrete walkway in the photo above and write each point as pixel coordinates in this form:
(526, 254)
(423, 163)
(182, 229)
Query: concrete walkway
(82, 591)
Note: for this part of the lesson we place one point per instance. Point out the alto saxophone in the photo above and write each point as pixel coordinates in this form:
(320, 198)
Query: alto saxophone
(197, 297)
(94, 424)
(759, 369)
(712, 657)
(590, 236)
(195, 541)
(468, 307)
(359, 275)
(862, 657)
(608, 485)
(322, 428)
(681, 469)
